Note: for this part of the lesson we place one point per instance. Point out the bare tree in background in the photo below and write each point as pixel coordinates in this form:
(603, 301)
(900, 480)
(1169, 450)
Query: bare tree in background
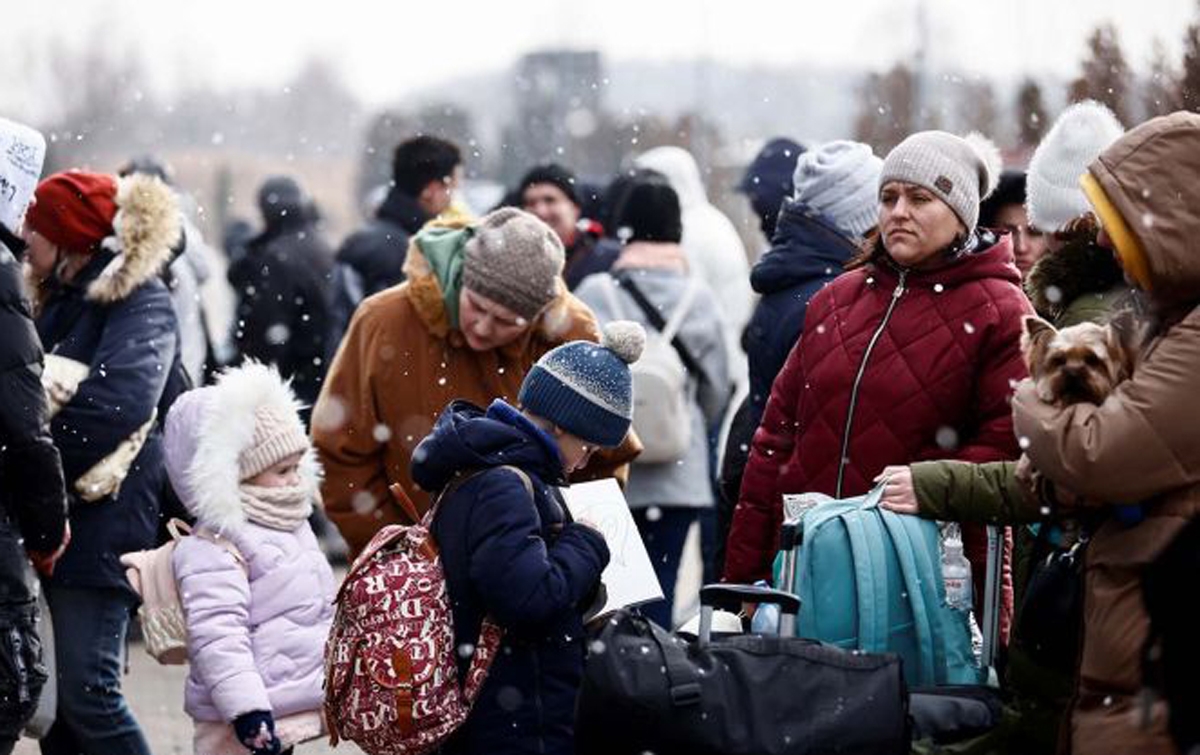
(453, 122)
(977, 110)
(1105, 74)
(103, 104)
(1189, 78)
(888, 109)
(1031, 114)
(1161, 90)
(386, 130)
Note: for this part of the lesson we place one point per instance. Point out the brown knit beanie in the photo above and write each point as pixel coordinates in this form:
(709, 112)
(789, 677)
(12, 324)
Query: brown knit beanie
(277, 435)
(515, 260)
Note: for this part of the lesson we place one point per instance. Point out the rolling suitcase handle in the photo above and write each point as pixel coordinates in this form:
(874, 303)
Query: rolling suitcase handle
(731, 597)
(991, 597)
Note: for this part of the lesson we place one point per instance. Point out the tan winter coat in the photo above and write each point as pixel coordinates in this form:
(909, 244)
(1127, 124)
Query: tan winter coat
(1142, 445)
(398, 366)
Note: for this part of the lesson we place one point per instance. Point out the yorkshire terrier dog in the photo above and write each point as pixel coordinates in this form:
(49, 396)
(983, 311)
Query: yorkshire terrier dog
(1082, 363)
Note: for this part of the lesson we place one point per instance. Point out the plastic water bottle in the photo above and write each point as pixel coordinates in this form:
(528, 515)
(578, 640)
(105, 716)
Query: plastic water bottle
(956, 570)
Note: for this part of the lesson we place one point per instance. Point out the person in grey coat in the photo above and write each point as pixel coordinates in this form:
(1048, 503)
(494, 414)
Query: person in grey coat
(666, 497)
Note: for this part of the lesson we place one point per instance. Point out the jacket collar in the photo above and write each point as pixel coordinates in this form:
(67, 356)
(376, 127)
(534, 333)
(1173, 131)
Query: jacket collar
(805, 247)
(403, 210)
(991, 258)
(1078, 268)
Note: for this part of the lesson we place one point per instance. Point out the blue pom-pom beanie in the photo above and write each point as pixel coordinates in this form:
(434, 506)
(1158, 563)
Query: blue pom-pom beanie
(586, 388)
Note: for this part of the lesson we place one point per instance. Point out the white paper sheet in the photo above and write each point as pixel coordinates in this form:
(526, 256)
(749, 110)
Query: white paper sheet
(21, 153)
(629, 578)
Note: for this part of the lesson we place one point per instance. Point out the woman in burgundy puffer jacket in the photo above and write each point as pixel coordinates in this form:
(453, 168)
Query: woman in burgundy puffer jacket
(910, 355)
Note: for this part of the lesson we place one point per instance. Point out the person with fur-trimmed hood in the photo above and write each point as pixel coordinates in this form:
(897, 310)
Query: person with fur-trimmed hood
(240, 461)
(481, 303)
(96, 247)
(910, 355)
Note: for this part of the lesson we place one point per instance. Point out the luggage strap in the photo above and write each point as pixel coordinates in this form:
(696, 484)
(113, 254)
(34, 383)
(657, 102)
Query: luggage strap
(682, 679)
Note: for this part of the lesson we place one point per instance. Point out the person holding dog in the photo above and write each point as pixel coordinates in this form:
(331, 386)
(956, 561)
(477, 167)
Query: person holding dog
(1075, 281)
(1139, 446)
(909, 355)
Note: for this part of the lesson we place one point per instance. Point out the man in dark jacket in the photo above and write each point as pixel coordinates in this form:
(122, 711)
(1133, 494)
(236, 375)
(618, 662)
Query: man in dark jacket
(549, 192)
(282, 285)
(425, 172)
(509, 546)
(819, 227)
(33, 504)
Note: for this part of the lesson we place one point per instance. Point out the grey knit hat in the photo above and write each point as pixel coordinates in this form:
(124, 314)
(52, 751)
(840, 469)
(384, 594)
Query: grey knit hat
(515, 260)
(840, 180)
(961, 171)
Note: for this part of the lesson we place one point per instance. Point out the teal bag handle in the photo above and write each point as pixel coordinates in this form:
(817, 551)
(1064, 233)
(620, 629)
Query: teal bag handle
(877, 554)
(870, 583)
(927, 636)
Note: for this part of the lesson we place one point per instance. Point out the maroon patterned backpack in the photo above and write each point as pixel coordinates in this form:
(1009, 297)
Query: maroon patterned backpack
(391, 683)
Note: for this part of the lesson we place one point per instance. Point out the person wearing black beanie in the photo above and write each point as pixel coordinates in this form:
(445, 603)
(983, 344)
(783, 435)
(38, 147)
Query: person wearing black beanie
(653, 284)
(1004, 210)
(550, 192)
(650, 211)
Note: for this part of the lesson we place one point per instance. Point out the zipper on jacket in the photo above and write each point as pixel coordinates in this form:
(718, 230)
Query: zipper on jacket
(862, 369)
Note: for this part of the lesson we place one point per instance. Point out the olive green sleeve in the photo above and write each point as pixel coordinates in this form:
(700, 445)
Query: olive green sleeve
(960, 491)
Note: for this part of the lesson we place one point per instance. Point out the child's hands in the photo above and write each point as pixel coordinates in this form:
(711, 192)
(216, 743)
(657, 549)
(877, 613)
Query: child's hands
(256, 730)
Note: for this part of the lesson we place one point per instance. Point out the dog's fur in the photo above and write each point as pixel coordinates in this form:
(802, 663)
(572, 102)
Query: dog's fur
(1084, 362)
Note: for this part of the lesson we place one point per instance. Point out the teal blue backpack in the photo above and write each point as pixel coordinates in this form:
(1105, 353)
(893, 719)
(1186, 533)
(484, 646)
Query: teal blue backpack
(870, 579)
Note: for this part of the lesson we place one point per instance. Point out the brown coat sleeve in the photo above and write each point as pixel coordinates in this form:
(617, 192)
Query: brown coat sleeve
(1141, 442)
(342, 428)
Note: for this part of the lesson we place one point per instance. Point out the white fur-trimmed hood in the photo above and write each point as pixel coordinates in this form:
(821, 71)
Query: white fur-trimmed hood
(147, 225)
(206, 431)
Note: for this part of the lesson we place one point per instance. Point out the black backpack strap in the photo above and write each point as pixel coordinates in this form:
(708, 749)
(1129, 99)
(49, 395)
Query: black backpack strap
(656, 320)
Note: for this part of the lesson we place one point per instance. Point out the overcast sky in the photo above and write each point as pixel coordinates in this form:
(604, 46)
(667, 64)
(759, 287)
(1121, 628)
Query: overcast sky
(386, 49)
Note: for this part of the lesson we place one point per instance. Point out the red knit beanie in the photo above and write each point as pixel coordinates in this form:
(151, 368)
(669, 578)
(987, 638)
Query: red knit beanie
(74, 209)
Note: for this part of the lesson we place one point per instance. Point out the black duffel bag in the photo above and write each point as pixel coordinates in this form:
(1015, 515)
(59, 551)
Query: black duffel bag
(645, 689)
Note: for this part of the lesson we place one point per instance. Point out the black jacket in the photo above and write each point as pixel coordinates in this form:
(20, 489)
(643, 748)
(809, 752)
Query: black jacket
(372, 258)
(282, 285)
(31, 478)
(523, 562)
(807, 253)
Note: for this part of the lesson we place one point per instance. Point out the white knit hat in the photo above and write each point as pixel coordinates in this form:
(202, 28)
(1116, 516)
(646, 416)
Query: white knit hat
(840, 181)
(1052, 191)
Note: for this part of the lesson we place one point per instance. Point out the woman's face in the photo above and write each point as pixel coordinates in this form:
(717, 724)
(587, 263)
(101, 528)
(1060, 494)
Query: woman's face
(487, 325)
(914, 224)
(41, 254)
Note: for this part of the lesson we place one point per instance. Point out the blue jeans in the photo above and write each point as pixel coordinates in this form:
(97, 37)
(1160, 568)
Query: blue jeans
(89, 643)
(664, 538)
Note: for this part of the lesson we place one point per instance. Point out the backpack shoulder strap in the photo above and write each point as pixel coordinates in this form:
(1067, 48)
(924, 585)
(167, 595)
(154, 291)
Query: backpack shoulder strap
(223, 543)
(681, 309)
(608, 289)
(658, 323)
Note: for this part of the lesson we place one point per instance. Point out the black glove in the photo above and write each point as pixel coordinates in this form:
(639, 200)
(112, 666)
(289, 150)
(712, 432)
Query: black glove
(256, 730)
